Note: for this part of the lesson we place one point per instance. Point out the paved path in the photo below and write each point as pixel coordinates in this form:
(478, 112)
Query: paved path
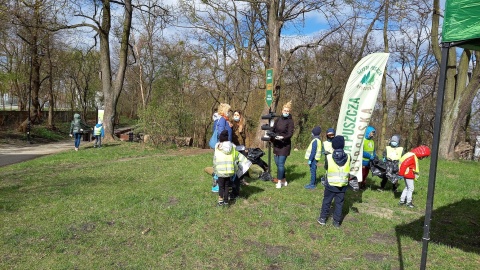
(11, 154)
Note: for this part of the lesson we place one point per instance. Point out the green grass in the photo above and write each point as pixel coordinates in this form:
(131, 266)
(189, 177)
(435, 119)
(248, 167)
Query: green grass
(88, 209)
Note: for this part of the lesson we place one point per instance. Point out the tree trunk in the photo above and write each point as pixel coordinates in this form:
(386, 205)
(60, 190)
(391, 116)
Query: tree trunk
(458, 96)
(111, 91)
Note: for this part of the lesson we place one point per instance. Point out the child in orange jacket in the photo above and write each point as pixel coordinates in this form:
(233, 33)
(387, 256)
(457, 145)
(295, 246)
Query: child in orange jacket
(409, 170)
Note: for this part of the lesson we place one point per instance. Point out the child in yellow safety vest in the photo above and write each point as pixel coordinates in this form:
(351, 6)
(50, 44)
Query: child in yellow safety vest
(409, 170)
(391, 156)
(98, 133)
(313, 156)
(327, 144)
(226, 161)
(337, 165)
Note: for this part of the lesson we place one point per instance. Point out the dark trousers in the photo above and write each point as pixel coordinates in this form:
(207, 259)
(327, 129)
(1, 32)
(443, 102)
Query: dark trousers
(328, 197)
(223, 185)
(313, 172)
(98, 140)
(236, 182)
(384, 183)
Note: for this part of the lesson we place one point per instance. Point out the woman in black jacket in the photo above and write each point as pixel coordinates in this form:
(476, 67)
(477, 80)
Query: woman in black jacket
(282, 144)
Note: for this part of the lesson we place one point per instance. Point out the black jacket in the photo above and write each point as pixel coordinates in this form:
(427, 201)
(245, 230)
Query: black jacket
(283, 126)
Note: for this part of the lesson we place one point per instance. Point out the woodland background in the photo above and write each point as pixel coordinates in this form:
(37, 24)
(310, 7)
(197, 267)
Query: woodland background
(168, 64)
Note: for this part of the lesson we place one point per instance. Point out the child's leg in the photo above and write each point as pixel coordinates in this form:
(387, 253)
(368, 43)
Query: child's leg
(365, 171)
(99, 141)
(313, 172)
(223, 183)
(221, 188)
(403, 197)
(327, 201)
(339, 199)
(410, 186)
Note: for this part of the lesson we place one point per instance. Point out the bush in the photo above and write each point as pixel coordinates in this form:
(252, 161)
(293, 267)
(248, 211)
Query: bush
(156, 121)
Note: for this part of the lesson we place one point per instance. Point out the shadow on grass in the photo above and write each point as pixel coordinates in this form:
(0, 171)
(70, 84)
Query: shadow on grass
(455, 225)
(247, 191)
(351, 198)
(293, 176)
(103, 146)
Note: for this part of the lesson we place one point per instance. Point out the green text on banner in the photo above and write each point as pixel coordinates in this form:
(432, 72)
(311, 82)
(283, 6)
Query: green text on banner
(357, 106)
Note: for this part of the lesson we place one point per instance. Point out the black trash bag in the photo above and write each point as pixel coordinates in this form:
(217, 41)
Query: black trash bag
(391, 171)
(254, 155)
(377, 167)
(265, 176)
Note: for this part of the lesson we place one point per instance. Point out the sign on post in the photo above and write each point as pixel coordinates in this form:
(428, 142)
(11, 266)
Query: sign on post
(269, 87)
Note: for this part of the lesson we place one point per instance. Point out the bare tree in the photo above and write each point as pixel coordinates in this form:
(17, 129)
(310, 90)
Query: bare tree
(459, 93)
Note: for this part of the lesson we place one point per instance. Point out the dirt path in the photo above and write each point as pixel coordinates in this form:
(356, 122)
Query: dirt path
(18, 152)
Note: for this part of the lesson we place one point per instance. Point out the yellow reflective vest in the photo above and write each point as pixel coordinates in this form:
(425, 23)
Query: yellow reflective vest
(224, 164)
(337, 175)
(327, 147)
(317, 153)
(97, 130)
(369, 147)
(407, 170)
(394, 153)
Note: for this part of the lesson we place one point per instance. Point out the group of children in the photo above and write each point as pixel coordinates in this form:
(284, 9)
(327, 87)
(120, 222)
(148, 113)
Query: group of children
(337, 168)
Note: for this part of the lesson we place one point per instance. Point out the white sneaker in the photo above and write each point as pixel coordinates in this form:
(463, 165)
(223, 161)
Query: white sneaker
(279, 184)
(285, 184)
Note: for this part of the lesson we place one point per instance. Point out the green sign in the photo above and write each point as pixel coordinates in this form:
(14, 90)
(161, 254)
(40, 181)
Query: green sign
(269, 87)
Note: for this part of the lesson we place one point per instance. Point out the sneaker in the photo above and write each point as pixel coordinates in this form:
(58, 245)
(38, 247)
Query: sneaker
(284, 184)
(245, 183)
(215, 188)
(76, 149)
(220, 203)
(401, 203)
(322, 221)
(410, 205)
(279, 184)
(310, 186)
(336, 224)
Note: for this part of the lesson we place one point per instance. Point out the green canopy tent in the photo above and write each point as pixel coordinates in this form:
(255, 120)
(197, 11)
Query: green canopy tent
(461, 28)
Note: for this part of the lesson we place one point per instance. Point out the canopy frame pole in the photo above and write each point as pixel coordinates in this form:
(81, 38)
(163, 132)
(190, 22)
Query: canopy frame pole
(434, 156)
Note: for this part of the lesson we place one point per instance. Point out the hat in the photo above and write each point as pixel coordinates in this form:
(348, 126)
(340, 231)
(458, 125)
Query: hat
(316, 131)
(395, 138)
(331, 131)
(223, 136)
(421, 151)
(338, 142)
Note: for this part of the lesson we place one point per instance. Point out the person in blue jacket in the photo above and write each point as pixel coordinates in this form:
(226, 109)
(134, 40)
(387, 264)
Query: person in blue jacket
(223, 123)
(368, 154)
(98, 133)
(313, 156)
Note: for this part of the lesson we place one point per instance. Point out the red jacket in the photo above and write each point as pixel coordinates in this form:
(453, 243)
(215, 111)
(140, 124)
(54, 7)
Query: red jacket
(409, 161)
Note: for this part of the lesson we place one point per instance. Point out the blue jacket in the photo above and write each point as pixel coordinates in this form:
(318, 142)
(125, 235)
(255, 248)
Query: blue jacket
(222, 125)
(365, 154)
(314, 148)
(102, 133)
